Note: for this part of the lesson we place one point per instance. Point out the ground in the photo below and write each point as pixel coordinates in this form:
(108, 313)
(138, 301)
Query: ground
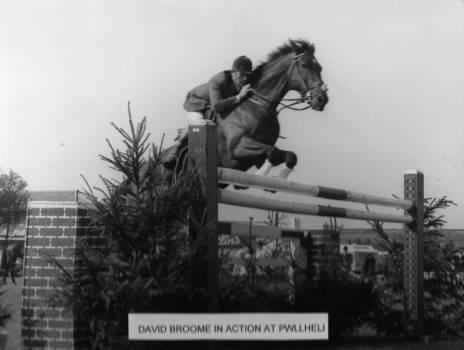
(12, 299)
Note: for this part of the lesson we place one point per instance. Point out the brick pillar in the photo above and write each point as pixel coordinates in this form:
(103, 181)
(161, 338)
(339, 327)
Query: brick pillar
(332, 256)
(323, 254)
(52, 228)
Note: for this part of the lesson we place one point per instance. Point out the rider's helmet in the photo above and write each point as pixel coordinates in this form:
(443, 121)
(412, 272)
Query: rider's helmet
(243, 65)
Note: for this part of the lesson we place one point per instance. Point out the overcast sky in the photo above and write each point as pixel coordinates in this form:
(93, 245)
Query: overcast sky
(395, 70)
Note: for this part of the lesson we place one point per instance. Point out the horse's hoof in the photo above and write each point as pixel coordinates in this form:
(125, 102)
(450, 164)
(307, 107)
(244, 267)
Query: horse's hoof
(237, 187)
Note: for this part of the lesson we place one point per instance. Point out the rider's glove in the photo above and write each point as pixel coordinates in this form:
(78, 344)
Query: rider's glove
(244, 92)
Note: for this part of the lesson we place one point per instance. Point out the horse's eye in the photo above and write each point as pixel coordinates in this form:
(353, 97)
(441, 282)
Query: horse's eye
(305, 65)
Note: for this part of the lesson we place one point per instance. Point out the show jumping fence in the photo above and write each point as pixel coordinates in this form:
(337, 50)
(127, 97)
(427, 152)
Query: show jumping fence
(203, 154)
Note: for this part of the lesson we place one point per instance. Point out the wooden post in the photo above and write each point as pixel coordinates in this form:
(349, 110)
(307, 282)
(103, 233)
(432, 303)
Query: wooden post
(202, 153)
(414, 255)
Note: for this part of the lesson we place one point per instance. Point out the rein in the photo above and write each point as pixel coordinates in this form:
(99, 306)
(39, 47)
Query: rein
(268, 102)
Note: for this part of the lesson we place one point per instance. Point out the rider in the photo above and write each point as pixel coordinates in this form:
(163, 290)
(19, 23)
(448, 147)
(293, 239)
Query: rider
(221, 94)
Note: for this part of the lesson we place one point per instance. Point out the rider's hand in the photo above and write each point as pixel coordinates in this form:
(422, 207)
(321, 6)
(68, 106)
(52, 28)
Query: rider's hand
(244, 91)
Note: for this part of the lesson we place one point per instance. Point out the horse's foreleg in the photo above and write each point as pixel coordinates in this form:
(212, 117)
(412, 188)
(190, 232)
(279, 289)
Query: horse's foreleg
(265, 168)
(242, 146)
(290, 162)
(277, 157)
(285, 172)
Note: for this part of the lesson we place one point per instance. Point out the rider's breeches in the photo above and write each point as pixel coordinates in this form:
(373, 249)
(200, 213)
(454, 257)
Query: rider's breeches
(194, 117)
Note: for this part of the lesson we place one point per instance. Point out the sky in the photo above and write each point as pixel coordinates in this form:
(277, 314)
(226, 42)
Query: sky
(395, 72)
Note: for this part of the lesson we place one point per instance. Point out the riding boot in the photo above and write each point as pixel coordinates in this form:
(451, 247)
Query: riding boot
(181, 141)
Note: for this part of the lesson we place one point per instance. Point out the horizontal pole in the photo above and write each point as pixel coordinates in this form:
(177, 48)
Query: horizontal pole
(245, 200)
(231, 176)
(243, 229)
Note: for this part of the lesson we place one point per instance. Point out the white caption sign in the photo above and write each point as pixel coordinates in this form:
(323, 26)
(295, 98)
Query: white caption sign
(236, 326)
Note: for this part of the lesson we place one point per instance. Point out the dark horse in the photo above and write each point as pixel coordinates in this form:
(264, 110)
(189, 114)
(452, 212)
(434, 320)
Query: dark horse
(247, 135)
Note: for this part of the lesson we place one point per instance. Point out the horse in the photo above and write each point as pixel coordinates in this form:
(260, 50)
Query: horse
(247, 134)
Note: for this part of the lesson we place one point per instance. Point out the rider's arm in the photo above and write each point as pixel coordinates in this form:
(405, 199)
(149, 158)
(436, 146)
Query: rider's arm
(220, 103)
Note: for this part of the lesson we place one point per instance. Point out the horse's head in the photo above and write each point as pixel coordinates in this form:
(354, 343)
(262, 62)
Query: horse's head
(305, 75)
(291, 66)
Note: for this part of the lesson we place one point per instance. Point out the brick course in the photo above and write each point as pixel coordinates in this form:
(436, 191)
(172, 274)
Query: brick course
(52, 211)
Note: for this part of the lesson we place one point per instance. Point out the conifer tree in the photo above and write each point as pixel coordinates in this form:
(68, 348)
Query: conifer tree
(139, 257)
(13, 201)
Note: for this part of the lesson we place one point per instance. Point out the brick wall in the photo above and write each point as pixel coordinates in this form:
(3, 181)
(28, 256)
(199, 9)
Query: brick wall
(53, 229)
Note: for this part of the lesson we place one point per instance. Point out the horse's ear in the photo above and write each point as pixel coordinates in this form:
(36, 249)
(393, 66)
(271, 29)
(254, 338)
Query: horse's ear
(295, 47)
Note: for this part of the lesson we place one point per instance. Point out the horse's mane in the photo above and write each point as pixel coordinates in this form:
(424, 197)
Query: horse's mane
(296, 47)
(292, 46)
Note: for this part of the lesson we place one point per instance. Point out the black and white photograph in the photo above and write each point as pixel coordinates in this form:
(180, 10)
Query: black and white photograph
(231, 174)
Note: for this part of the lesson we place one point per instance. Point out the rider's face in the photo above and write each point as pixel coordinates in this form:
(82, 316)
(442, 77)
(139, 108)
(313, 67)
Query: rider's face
(240, 79)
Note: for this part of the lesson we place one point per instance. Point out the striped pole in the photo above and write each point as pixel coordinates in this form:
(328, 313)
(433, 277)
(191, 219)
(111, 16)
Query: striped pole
(245, 200)
(231, 176)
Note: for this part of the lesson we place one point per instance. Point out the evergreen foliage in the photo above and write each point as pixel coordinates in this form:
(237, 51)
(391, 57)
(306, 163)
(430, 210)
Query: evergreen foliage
(139, 257)
(443, 279)
(13, 202)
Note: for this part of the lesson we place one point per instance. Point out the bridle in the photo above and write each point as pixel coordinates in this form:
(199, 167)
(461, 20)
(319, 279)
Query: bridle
(294, 101)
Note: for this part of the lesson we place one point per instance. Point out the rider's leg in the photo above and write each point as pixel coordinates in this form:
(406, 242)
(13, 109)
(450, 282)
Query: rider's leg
(192, 118)
(181, 139)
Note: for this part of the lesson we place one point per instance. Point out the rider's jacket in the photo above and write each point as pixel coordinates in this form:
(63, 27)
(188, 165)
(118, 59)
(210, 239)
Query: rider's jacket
(218, 95)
